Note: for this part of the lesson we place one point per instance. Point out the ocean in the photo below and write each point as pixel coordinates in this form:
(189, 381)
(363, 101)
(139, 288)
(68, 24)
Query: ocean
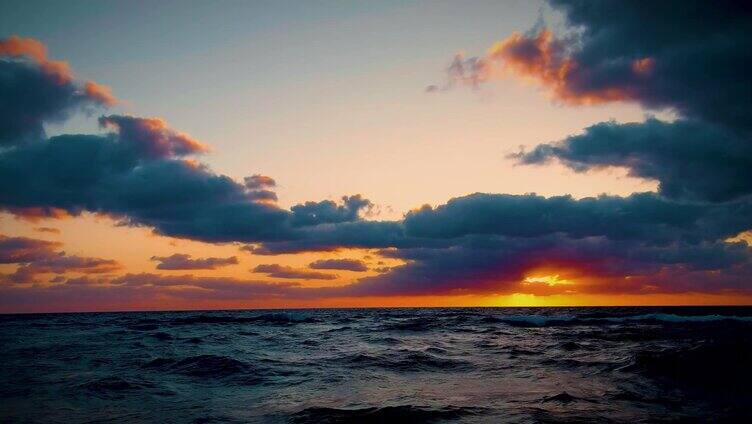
(475, 365)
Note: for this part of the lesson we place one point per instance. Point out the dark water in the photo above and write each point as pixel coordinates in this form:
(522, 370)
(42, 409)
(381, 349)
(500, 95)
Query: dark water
(380, 365)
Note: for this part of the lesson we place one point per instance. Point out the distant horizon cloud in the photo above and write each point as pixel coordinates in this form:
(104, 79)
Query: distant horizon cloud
(288, 272)
(354, 265)
(181, 261)
(35, 257)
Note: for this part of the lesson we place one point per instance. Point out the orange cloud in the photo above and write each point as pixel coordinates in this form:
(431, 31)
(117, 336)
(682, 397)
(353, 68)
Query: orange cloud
(548, 61)
(35, 50)
(59, 71)
(99, 93)
(36, 214)
(544, 59)
(17, 46)
(155, 135)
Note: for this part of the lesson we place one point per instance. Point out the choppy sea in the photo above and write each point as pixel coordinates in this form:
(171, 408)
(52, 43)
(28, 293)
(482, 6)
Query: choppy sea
(518, 365)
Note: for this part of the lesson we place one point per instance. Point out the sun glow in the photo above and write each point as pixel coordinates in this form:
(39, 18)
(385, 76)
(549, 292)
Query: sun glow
(549, 280)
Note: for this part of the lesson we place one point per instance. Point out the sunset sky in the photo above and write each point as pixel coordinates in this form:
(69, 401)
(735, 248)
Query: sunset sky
(193, 155)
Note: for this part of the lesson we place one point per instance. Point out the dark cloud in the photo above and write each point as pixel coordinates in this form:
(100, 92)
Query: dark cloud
(329, 212)
(500, 265)
(690, 159)
(136, 173)
(35, 90)
(341, 264)
(643, 216)
(695, 56)
(281, 271)
(490, 242)
(115, 176)
(684, 55)
(180, 261)
(689, 57)
(332, 237)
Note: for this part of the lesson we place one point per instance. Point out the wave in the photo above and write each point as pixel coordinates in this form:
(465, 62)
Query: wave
(714, 363)
(516, 351)
(414, 324)
(394, 414)
(339, 329)
(562, 320)
(563, 397)
(161, 336)
(109, 386)
(272, 318)
(571, 346)
(410, 361)
(143, 327)
(201, 366)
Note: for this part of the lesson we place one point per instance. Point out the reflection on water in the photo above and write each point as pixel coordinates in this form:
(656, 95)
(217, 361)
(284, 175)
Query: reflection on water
(379, 365)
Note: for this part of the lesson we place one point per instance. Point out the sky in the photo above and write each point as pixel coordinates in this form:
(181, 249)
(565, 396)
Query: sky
(193, 155)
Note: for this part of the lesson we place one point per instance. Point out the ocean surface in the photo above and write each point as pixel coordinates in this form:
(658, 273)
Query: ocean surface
(519, 365)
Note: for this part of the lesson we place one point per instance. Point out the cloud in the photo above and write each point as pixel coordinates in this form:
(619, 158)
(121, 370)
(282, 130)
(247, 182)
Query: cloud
(663, 59)
(34, 257)
(676, 240)
(180, 261)
(691, 62)
(152, 137)
(656, 56)
(331, 237)
(134, 291)
(34, 90)
(262, 196)
(674, 154)
(258, 181)
(37, 213)
(100, 93)
(647, 217)
(259, 188)
(15, 250)
(138, 173)
(341, 264)
(126, 176)
(16, 46)
(50, 230)
(471, 71)
(500, 265)
(481, 265)
(280, 271)
(542, 57)
(489, 243)
(63, 264)
(328, 212)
